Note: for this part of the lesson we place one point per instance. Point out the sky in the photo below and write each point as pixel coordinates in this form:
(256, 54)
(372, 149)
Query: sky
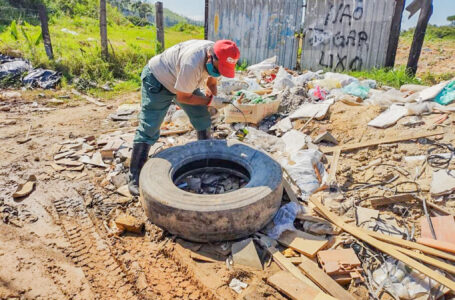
(194, 9)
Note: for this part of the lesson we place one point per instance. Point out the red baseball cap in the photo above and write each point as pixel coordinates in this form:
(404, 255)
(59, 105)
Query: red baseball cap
(228, 54)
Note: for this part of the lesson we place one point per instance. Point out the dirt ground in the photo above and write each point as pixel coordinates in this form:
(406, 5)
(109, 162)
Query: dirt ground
(60, 247)
(437, 57)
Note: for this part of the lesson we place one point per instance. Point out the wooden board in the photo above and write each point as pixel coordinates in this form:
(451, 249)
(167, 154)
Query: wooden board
(410, 245)
(324, 281)
(404, 137)
(334, 166)
(303, 242)
(428, 259)
(381, 201)
(384, 247)
(295, 289)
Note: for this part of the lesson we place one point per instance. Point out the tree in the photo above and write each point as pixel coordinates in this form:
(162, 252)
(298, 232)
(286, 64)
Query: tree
(451, 19)
(103, 29)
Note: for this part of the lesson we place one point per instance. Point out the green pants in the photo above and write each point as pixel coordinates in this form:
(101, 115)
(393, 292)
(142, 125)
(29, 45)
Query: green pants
(156, 100)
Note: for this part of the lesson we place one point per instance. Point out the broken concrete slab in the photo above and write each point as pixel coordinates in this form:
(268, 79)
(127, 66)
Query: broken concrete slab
(96, 160)
(325, 137)
(388, 118)
(244, 253)
(312, 110)
(124, 191)
(365, 215)
(443, 182)
(108, 150)
(68, 162)
(119, 180)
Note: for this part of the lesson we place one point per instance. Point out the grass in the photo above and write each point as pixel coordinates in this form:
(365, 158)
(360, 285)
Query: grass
(391, 77)
(433, 32)
(78, 55)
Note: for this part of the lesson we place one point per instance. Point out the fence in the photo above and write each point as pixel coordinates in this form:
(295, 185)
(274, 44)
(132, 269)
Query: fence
(261, 28)
(337, 34)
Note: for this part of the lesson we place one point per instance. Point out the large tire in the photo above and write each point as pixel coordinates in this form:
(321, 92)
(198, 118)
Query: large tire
(217, 217)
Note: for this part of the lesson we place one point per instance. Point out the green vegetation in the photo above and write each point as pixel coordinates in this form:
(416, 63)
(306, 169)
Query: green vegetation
(74, 30)
(392, 77)
(433, 33)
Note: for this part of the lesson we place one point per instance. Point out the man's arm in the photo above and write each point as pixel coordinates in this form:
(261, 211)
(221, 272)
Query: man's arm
(211, 86)
(191, 99)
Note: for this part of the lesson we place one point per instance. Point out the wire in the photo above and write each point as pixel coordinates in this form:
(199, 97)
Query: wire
(437, 160)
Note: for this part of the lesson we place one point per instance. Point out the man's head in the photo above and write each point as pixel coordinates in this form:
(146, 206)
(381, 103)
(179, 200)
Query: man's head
(225, 56)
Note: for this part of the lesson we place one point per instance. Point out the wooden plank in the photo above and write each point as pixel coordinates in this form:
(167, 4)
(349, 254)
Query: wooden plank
(381, 201)
(324, 281)
(410, 245)
(287, 284)
(289, 191)
(384, 247)
(427, 259)
(334, 166)
(389, 140)
(303, 242)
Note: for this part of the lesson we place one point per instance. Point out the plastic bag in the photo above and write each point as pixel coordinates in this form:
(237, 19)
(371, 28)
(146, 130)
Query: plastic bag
(301, 79)
(317, 93)
(229, 85)
(302, 170)
(252, 84)
(264, 141)
(283, 80)
(356, 89)
(329, 83)
(342, 78)
(447, 95)
(267, 64)
(14, 68)
(45, 79)
(284, 219)
(401, 282)
(385, 99)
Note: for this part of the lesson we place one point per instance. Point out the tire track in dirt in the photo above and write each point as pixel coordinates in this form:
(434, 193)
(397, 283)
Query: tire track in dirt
(90, 252)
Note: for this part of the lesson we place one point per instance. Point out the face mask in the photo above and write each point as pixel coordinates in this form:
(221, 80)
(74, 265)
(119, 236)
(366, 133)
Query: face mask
(211, 69)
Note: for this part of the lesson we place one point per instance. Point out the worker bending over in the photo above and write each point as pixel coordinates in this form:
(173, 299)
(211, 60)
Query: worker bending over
(177, 74)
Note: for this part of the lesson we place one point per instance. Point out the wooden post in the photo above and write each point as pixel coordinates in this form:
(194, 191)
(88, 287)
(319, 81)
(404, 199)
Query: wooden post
(159, 26)
(103, 30)
(45, 31)
(206, 20)
(426, 9)
(394, 34)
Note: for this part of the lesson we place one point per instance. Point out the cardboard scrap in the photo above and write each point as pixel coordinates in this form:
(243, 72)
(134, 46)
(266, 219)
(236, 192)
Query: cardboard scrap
(303, 242)
(244, 253)
(26, 188)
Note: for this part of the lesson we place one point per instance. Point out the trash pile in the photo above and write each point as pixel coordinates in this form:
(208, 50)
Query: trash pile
(361, 216)
(13, 70)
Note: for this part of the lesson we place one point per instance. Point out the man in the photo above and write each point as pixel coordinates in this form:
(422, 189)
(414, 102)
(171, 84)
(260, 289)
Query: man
(177, 74)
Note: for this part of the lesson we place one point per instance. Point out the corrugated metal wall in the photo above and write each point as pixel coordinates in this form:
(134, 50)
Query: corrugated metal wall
(346, 34)
(261, 28)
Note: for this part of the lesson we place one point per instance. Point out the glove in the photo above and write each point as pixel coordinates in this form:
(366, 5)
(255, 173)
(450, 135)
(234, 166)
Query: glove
(219, 102)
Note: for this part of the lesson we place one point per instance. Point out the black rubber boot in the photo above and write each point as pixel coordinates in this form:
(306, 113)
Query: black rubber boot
(204, 134)
(138, 158)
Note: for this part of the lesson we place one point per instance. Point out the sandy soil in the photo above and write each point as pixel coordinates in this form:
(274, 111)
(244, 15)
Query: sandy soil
(69, 253)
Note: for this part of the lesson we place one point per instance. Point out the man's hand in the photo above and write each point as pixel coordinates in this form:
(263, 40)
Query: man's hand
(219, 102)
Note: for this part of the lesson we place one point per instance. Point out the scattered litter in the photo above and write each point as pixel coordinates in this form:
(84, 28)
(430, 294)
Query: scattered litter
(26, 188)
(245, 253)
(284, 219)
(45, 79)
(357, 89)
(443, 182)
(447, 95)
(326, 137)
(65, 30)
(402, 282)
(237, 285)
(312, 110)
